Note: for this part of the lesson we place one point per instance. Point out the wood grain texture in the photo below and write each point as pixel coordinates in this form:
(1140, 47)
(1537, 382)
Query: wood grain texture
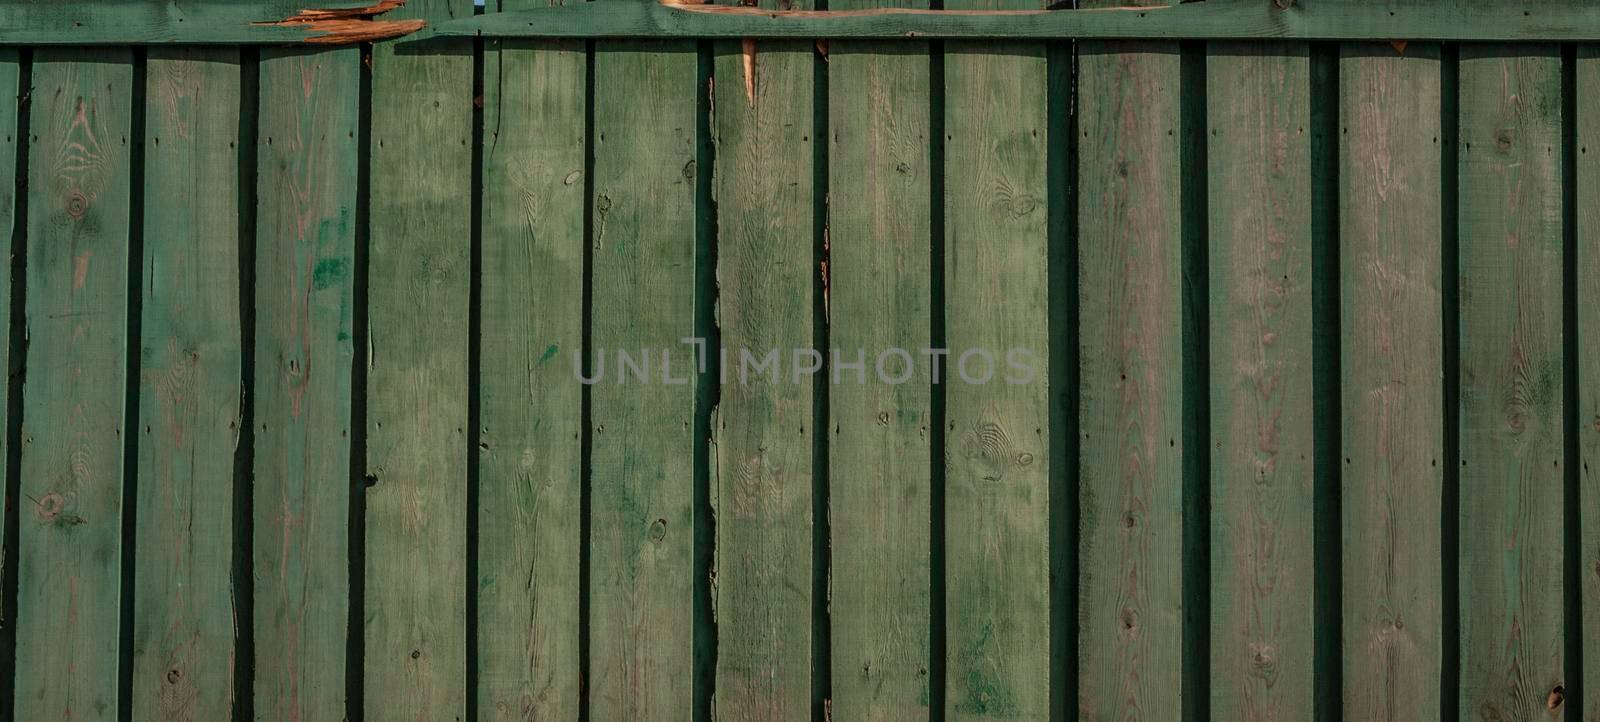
(997, 430)
(642, 528)
(70, 520)
(530, 478)
(420, 272)
(307, 156)
(1511, 380)
(1258, 101)
(880, 454)
(764, 435)
(189, 388)
(1587, 85)
(1392, 389)
(1131, 382)
(10, 90)
(222, 22)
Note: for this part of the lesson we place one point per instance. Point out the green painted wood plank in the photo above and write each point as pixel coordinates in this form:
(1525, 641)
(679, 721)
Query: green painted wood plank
(419, 272)
(1213, 19)
(880, 456)
(530, 479)
(997, 430)
(1259, 161)
(307, 155)
(10, 89)
(764, 438)
(189, 388)
(1511, 380)
(70, 525)
(1587, 85)
(219, 22)
(1130, 412)
(1392, 389)
(643, 443)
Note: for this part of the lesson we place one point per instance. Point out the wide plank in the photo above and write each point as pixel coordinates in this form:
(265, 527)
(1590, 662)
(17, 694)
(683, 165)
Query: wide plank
(1587, 135)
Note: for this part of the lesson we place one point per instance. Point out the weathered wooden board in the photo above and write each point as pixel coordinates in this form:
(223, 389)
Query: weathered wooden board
(224, 22)
(529, 510)
(419, 268)
(1130, 410)
(997, 427)
(1259, 161)
(189, 388)
(307, 164)
(1511, 380)
(1392, 353)
(764, 435)
(880, 449)
(10, 89)
(1587, 86)
(643, 448)
(70, 521)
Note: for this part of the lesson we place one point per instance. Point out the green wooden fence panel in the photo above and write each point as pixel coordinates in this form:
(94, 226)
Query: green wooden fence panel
(1391, 274)
(70, 548)
(189, 387)
(10, 90)
(764, 437)
(1511, 380)
(307, 149)
(1259, 161)
(529, 505)
(1587, 415)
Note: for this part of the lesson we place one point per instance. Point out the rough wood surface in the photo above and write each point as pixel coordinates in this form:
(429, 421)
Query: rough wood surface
(74, 409)
(1587, 85)
(1131, 382)
(1511, 381)
(1259, 160)
(307, 157)
(997, 431)
(10, 90)
(642, 528)
(529, 510)
(762, 478)
(880, 454)
(419, 271)
(189, 388)
(1392, 352)
(91, 22)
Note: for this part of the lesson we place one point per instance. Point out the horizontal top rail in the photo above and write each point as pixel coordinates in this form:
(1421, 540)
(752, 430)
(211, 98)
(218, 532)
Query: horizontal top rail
(95, 22)
(1207, 20)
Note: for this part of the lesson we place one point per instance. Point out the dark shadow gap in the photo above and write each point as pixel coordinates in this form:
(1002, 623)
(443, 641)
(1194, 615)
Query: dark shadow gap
(1572, 540)
(821, 524)
(131, 422)
(474, 379)
(937, 623)
(586, 442)
(707, 390)
(1450, 294)
(1196, 678)
(356, 529)
(16, 375)
(1065, 446)
(243, 574)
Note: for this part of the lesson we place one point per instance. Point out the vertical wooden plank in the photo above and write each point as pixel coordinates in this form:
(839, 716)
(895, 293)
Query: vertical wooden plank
(10, 88)
(1511, 380)
(880, 456)
(997, 429)
(1392, 349)
(642, 488)
(1587, 83)
(307, 156)
(189, 387)
(765, 430)
(529, 510)
(419, 273)
(1131, 381)
(1258, 101)
(70, 535)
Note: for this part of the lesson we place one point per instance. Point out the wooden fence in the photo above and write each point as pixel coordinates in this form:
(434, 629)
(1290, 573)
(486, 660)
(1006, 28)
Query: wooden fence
(295, 428)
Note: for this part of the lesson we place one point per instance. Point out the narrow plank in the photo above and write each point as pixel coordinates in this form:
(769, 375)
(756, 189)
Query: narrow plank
(1511, 380)
(1258, 101)
(765, 430)
(1587, 84)
(419, 272)
(1130, 412)
(997, 430)
(307, 156)
(189, 388)
(10, 88)
(1390, 235)
(70, 529)
(880, 455)
(529, 510)
(643, 443)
